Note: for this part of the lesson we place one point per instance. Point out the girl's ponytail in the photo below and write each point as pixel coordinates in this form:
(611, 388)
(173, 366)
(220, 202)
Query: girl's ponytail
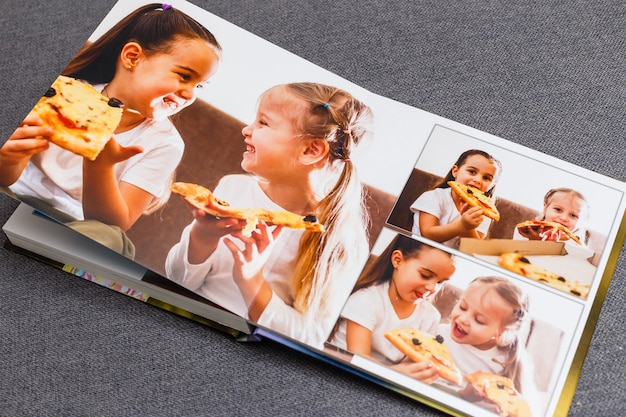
(328, 260)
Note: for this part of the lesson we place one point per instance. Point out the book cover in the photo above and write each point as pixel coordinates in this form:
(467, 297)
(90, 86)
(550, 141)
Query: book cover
(395, 169)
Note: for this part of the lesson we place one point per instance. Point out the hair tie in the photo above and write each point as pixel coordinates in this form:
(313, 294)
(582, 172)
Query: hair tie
(346, 160)
(164, 6)
(327, 105)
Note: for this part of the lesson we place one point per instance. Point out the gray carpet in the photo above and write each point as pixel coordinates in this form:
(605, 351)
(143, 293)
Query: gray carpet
(549, 75)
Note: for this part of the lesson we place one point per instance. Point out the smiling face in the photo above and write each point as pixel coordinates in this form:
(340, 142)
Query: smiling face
(416, 277)
(272, 146)
(479, 317)
(162, 84)
(563, 208)
(477, 171)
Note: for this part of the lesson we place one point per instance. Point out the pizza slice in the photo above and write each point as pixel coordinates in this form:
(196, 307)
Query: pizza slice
(500, 391)
(82, 119)
(420, 347)
(553, 226)
(516, 262)
(476, 198)
(203, 199)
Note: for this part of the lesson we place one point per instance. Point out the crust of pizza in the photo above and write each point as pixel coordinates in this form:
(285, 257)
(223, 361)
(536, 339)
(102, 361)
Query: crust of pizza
(202, 198)
(476, 198)
(420, 347)
(517, 262)
(81, 118)
(500, 391)
(555, 225)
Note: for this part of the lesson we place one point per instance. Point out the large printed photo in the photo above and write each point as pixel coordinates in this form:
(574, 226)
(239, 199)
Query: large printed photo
(221, 162)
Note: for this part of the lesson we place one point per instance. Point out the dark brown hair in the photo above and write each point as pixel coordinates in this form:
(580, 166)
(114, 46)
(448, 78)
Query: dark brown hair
(461, 160)
(381, 269)
(151, 26)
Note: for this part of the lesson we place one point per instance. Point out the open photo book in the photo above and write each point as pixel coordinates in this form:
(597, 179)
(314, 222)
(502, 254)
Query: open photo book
(451, 265)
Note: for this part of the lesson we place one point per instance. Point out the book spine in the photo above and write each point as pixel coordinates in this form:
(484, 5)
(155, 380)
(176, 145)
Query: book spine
(105, 282)
(130, 292)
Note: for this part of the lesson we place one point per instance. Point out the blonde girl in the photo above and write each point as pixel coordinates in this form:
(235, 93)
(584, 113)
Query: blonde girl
(440, 215)
(153, 61)
(298, 148)
(486, 332)
(392, 293)
(565, 206)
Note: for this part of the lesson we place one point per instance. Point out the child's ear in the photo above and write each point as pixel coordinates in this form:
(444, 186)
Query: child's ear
(130, 55)
(396, 258)
(506, 337)
(314, 150)
(454, 171)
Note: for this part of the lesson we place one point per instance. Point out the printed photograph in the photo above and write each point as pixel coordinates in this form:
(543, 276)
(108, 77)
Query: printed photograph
(506, 208)
(440, 321)
(258, 190)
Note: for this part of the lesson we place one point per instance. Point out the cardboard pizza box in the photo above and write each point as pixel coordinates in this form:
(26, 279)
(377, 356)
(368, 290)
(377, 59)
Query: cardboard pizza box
(549, 255)
(497, 246)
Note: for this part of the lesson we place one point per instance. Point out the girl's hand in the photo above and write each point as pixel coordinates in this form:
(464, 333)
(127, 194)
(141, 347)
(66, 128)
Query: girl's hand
(113, 152)
(206, 232)
(249, 261)
(540, 233)
(469, 393)
(422, 371)
(29, 138)
(248, 267)
(211, 227)
(471, 217)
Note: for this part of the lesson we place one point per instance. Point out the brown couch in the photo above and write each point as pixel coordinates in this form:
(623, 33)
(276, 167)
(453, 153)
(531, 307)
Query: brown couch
(511, 212)
(213, 148)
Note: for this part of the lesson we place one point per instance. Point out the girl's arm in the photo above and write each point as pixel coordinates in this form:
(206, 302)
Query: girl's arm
(465, 225)
(27, 140)
(248, 267)
(206, 231)
(106, 200)
(178, 268)
(358, 339)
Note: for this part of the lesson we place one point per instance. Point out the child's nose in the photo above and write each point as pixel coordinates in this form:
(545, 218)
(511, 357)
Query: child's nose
(462, 318)
(246, 130)
(187, 93)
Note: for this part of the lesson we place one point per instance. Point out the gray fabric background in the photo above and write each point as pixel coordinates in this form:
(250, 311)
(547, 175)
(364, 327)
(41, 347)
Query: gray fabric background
(550, 75)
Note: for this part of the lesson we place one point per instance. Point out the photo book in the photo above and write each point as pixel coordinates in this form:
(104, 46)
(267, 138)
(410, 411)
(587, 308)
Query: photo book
(453, 266)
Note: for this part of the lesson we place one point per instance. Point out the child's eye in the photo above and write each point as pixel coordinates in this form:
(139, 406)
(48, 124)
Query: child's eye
(184, 77)
(200, 86)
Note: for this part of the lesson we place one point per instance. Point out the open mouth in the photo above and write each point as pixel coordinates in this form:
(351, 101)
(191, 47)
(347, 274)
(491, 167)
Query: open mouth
(173, 105)
(458, 331)
(250, 148)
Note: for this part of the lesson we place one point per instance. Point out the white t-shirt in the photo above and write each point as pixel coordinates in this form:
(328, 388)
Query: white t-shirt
(470, 359)
(440, 204)
(213, 278)
(371, 308)
(56, 177)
